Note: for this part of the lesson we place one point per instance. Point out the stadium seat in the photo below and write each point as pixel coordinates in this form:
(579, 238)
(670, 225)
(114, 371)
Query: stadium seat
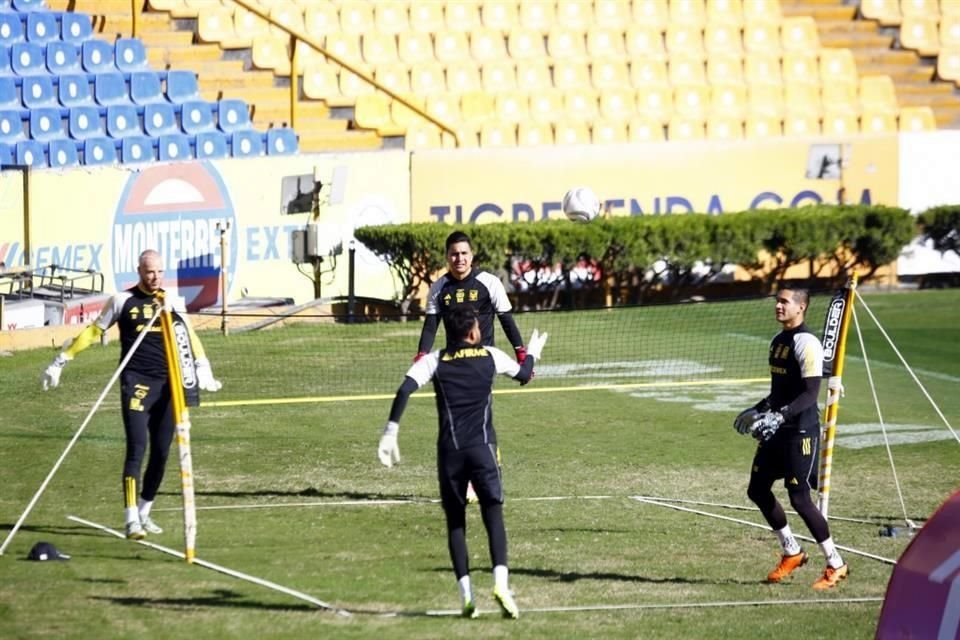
(174, 147)
(62, 153)
(644, 41)
(75, 28)
(281, 141)
(74, 90)
(11, 29)
(950, 31)
(427, 78)
(9, 95)
(451, 46)
(681, 128)
(403, 116)
(288, 14)
(609, 74)
(655, 103)
(31, 153)
(7, 154)
(761, 38)
(526, 44)
(182, 86)
(320, 20)
(571, 75)
(611, 13)
(762, 69)
(802, 100)
(110, 89)
(463, 15)
(390, 16)
(146, 87)
(512, 106)
(137, 149)
(574, 14)
(801, 125)
(321, 82)
(581, 105)
(476, 107)
(122, 121)
(836, 123)
(567, 132)
(415, 47)
(502, 16)
(837, 66)
(46, 123)
(352, 85)
(917, 119)
(28, 58)
(356, 17)
(160, 118)
(24, 6)
(233, 114)
(426, 16)
(130, 55)
(497, 76)
(801, 67)
(878, 94)
(249, 25)
(487, 45)
(684, 39)
(99, 151)
(444, 107)
(725, 69)
(885, 12)
(654, 13)
(534, 134)
(765, 100)
(11, 126)
(196, 116)
(85, 122)
(799, 33)
(608, 132)
(684, 70)
(921, 34)
(688, 12)
(617, 104)
(308, 57)
(462, 77)
(691, 101)
(758, 126)
(841, 98)
(38, 91)
(97, 56)
(948, 65)
(466, 138)
(720, 127)
(724, 12)
(244, 144)
(422, 136)
(494, 133)
(728, 101)
(605, 43)
(645, 129)
(546, 105)
(647, 72)
(877, 122)
(921, 8)
(762, 12)
(271, 52)
(42, 27)
(722, 39)
(215, 25)
(211, 144)
(373, 112)
(538, 15)
(62, 57)
(566, 44)
(534, 75)
(378, 48)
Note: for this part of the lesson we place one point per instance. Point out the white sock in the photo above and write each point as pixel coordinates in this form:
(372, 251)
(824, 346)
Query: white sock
(501, 577)
(466, 592)
(831, 554)
(144, 507)
(131, 514)
(790, 545)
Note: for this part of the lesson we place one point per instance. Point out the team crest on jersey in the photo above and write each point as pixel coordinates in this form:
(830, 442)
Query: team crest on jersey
(474, 295)
(460, 295)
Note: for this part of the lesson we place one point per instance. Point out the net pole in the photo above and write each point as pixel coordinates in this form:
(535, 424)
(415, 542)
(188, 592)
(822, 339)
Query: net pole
(834, 391)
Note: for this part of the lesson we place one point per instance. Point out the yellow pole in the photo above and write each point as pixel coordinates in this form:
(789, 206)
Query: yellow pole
(224, 229)
(834, 388)
(135, 18)
(294, 86)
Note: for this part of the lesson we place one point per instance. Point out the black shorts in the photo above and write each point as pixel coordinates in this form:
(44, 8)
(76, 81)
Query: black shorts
(479, 465)
(789, 455)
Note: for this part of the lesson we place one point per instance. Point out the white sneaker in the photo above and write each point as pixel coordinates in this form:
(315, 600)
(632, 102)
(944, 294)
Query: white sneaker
(504, 598)
(150, 526)
(135, 531)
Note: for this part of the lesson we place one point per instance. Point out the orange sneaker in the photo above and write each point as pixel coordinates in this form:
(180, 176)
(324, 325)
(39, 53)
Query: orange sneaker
(788, 564)
(831, 577)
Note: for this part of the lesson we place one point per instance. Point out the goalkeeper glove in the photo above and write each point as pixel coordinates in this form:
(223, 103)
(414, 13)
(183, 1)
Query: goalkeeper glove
(419, 355)
(389, 451)
(205, 376)
(521, 353)
(767, 425)
(745, 421)
(51, 375)
(535, 345)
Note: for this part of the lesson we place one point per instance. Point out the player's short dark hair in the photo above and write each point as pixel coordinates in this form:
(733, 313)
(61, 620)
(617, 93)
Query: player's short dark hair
(461, 321)
(455, 237)
(800, 295)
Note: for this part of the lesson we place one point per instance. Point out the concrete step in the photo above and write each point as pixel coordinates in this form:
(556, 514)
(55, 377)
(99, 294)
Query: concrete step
(867, 55)
(820, 11)
(186, 57)
(90, 6)
(855, 40)
(166, 38)
(350, 140)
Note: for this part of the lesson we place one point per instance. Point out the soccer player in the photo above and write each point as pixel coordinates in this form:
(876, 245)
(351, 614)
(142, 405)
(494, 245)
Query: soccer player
(145, 399)
(462, 286)
(463, 375)
(787, 425)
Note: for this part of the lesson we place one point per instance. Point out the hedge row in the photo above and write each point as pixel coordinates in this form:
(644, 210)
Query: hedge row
(942, 225)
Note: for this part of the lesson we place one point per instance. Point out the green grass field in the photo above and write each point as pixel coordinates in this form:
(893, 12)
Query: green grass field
(293, 493)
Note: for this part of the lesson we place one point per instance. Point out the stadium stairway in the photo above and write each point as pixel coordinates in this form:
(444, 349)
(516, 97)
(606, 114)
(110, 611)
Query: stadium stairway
(876, 51)
(170, 44)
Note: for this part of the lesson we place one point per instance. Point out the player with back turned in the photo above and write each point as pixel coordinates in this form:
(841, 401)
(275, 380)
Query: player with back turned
(787, 425)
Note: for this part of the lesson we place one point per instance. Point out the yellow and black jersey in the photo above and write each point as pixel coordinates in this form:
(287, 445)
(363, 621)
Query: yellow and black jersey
(796, 356)
(131, 310)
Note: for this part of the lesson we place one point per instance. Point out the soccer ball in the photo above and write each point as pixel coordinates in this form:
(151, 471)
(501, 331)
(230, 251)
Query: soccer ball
(581, 204)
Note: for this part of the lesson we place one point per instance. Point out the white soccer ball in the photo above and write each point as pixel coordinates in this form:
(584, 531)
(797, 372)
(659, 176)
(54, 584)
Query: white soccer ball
(581, 204)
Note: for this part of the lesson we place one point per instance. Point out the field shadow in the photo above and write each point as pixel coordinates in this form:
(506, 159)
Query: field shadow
(219, 598)
(574, 576)
(309, 492)
(62, 530)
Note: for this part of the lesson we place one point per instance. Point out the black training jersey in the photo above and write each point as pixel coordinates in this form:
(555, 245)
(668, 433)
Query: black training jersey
(130, 311)
(481, 290)
(463, 382)
(795, 354)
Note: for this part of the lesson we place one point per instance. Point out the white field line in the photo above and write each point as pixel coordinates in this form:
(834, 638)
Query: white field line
(218, 568)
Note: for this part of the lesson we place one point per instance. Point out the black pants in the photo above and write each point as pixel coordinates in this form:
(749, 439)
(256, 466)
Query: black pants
(147, 417)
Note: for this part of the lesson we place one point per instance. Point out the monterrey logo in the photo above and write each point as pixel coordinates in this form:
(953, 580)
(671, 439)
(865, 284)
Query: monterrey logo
(175, 209)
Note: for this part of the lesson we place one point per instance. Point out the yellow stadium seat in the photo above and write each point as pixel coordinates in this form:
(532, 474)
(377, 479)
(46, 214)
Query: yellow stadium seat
(838, 66)
(646, 72)
(534, 134)
(378, 48)
(644, 41)
(461, 15)
(682, 128)
(921, 34)
(581, 105)
(427, 78)
(802, 100)
(684, 39)
(687, 70)
(390, 17)
(760, 127)
(463, 77)
(320, 82)
(308, 57)
(801, 67)
(950, 31)
(414, 47)
(652, 13)
(617, 104)
(729, 101)
(546, 105)
(394, 76)
(426, 16)
(760, 37)
(476, 107)
(688, 12)
(353, 86)
(841, 98)
(801, 125)
(644, 129)
(288, 14)
(345, 46)
(445, 107)
(605, 42)
(762, 12)
(607, 132)
(606, 73)
(495, 133)
(356, 16)
(655, 102)
(948, 65)
(538, 15)
(886, 12)
(498, 75)
(929, 8)
(487, 44)
(451, 46)
(249, 25)
(724, 128)
(525, 44)
(321, 20)
(762, 68)
(271, 51)
(512, 106)
(691, 101)
(574, 14)
(372, 111)
(839, 123)
(215, 24)
(724, 12)
(424, 135)
(566, 44)
(534, 75)
(405, 117)
(878, 94)
(611, 13)
(571, 132)
(765, 101)
(799, 33)
(725, 69)
(500, 15)
(917, 119)
(467, 138)
(871, 122)
(722, 38)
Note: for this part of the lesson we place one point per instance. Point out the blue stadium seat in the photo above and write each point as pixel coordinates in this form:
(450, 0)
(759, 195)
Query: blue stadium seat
(11, 29)
(5, 69)
(248, 143)
(175, 146)
(9, 97)
(28, 5)
(75, 28)
(7, 154)
(130, 55)
(27, 58)
(31, 153)
(11, 126)
(146, 87)
(42, 27)
(212, 144)
(62, 153)
(110, 89)
(97, 56)
(281, 141)
(63, 57)
(160, 118)
(122, 121)
(38, 91)
(135, 149)
(85, 122)
(99, 151)
(196, 116)
(182, 86)
(74, 90)
(46, 123)
(233, 115)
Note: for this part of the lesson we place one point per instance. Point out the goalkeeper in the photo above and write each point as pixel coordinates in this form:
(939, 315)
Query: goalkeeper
(463, 375)
(787, 425)
(145, 399)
